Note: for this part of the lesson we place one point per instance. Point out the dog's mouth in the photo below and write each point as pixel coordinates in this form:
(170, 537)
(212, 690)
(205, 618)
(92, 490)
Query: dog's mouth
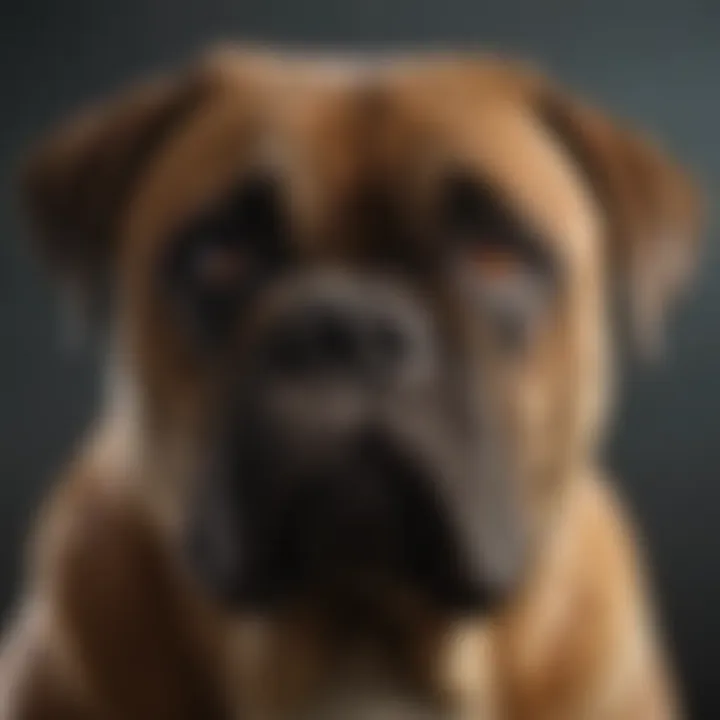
(349, 517)
(368, 518)
(363, 502)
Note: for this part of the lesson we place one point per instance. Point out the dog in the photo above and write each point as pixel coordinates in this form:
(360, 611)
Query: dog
(360, 319)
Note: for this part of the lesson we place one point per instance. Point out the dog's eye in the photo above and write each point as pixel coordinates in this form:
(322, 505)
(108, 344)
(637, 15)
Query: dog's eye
(491, 233)
(505, 266)
(510, 296)
(222, 256)
(224, 245)
(221, 267)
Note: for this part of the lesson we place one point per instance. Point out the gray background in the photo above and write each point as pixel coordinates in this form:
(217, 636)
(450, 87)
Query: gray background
(654, 61)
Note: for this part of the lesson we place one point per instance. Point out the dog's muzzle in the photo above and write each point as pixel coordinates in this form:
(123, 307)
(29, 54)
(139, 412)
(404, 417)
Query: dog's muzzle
(338, 468)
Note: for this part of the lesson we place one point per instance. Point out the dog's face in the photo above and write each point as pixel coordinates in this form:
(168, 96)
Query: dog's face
(361, 310)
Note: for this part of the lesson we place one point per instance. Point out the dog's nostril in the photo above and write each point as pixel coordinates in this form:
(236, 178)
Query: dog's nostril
(286, 352)
(386, 341)
(336, 343)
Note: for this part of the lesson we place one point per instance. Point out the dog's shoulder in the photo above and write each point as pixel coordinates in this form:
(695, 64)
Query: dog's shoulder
(89, 531)
(97, 562)
(584, 636)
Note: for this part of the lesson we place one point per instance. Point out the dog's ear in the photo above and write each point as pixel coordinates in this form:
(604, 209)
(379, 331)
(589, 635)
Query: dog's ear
(76, 183)
(652, 208)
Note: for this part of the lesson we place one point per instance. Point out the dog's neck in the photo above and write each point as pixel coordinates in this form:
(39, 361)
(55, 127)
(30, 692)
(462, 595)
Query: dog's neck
(330, 668)
(367, 682)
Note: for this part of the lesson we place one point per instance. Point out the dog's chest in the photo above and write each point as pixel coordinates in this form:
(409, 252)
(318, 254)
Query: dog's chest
(360, 680)
(364, 689)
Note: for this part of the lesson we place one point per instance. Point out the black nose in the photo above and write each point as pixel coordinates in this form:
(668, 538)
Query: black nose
(341, 336)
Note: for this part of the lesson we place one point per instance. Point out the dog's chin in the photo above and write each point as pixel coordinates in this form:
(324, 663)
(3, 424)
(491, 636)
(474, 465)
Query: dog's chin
(366, 524)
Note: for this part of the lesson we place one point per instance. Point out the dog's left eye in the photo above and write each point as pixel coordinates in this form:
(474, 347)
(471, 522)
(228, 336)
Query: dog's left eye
(505, 267)
(511, 296)
(222, 256)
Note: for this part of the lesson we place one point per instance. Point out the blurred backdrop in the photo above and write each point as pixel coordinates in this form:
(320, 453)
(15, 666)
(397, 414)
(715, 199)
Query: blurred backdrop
(656, 62)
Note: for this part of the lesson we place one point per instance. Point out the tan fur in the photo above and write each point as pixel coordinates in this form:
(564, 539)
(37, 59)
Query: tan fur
(113, 626)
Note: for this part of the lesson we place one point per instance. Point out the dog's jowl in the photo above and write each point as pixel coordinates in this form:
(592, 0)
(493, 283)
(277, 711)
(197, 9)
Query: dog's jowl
(358, 323)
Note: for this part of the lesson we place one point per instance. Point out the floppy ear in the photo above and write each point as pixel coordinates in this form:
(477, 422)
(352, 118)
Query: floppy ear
(652, 207)
(78, 180)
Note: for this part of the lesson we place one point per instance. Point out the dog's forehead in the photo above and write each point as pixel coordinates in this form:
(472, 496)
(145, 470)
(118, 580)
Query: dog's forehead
(328, 125)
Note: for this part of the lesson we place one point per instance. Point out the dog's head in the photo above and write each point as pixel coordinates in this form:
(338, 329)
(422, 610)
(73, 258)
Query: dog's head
(360, 311)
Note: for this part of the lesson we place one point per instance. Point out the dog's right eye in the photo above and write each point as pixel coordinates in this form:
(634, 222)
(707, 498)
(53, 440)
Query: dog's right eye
(221, 257)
